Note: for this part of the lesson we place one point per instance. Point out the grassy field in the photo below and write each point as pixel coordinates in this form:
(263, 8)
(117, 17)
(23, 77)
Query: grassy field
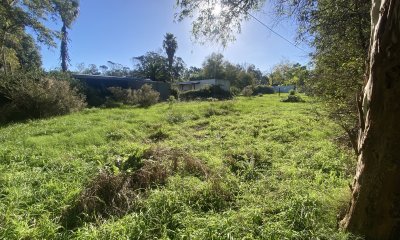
(249, 168)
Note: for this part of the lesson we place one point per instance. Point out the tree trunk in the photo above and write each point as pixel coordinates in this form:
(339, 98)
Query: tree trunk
(375, 205)
(64, 49)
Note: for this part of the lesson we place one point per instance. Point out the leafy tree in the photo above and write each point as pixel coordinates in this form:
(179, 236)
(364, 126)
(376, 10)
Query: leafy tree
(103, 69)
(92, 69)
(193, 73)
(219, 27)
(287, 73)
(68, 11)
(15, 17)
(170, 45)
(232, 72)
(28, 53)
(153, 66)
(213, 66)
(245, 79)
(255, 72)
(178, 68)
(117, 69)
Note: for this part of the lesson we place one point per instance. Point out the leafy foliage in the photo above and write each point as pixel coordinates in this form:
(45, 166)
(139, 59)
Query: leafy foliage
(216, 21)
(287, 73)
(155, 66)
(16, 46)
(262, 89)
(247, 91)
(144, 97)
(170, 45)
(29, 96)
(215, 66)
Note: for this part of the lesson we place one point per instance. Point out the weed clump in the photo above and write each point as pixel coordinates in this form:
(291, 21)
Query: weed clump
(106, 195)
(158, 135)
(219, 109)
(248, 164)
(176, 160)
(292, 97)
(110, 194)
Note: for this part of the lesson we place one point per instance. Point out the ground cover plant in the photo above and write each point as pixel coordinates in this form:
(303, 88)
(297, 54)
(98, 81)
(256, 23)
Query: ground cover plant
(248, 168)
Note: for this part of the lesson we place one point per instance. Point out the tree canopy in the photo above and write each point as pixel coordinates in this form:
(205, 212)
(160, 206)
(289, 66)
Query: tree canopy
(216, 20)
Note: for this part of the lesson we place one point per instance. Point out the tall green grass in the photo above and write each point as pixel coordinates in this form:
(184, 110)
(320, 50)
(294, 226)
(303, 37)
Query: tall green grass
(276, 172)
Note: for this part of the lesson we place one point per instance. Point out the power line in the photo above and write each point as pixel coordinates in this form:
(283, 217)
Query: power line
(272, 30)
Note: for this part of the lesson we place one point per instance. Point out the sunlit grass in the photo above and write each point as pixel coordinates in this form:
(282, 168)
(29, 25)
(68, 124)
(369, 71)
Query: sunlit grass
(276, 171)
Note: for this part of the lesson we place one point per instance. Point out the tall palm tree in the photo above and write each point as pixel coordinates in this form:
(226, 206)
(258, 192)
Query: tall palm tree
(170, 45)
(68, 11)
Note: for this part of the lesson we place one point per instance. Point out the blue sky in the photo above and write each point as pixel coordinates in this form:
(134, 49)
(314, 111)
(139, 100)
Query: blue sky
(118, 30)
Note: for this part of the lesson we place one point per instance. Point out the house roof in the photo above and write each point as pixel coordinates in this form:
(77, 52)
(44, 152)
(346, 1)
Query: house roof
(100, 77)
(188, 83)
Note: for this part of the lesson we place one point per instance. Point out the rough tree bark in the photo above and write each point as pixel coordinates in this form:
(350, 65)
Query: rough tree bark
(375, 205)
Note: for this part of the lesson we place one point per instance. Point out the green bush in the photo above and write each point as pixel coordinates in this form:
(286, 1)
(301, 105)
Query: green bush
(247, 91)
(293, 98)
(146, 96)
(174, 92)
(262, 89)
(33, 95)
(143, 97)
(126, 96)
(204, 93)
(235, 91)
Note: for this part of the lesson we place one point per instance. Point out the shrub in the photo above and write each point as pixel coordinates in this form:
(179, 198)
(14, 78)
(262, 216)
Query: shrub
(292, 92)
(262, 89)
(204, 93)
(293, 98)
(174, 117)
(32, 95)
(248, 164)
(126, 96)
(143, 97)
(146, 96)
(174, 92)
(235, 91)
(247, 91)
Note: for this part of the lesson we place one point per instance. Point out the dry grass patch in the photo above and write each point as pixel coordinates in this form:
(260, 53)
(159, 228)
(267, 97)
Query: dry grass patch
(110, 194)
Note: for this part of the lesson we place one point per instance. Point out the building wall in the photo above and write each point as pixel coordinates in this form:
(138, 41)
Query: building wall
(224, 84)
(97, 86)
(283, 89)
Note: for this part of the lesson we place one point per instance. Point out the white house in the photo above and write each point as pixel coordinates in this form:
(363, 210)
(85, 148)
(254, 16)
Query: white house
(284, 89)
(199, 84)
